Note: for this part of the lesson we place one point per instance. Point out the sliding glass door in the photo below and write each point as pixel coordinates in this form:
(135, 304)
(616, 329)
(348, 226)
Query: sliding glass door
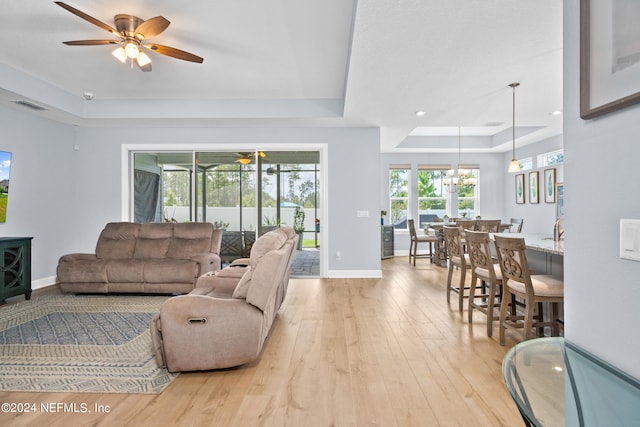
(245, 193)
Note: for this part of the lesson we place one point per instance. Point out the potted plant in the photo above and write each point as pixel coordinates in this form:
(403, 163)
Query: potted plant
(298, 224)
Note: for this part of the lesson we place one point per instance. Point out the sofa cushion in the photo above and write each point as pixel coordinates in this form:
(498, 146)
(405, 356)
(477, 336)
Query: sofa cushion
(243, 285)
(269, 241)
(117, 240)
(153, 240)
(190, 239)
(125, 271)
(170, 271)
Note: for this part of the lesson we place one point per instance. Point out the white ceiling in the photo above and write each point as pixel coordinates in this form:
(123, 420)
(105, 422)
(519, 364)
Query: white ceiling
(302, 63)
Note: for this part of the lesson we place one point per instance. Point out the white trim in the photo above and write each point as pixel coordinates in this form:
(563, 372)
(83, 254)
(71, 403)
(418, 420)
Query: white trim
(43, 283)
(354, 274)
(126, 187)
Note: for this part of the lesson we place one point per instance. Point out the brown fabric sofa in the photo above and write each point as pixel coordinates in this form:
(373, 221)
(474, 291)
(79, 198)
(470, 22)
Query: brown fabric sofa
(220, 325)
(143, 258)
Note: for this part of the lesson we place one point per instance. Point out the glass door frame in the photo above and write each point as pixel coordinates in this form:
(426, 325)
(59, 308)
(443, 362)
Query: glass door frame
(127, 168)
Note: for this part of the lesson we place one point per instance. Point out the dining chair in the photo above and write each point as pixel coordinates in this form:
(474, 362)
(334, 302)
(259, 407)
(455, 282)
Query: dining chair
(457, 259)
(489, 225)
(484, 268)
(415, 239)
(467, 224)
(516, 225)
(532, 289)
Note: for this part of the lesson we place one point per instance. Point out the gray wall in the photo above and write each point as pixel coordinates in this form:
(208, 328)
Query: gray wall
(602, 291)
(63, 197)
(42, 194)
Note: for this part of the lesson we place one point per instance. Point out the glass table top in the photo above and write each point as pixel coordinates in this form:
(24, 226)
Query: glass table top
(556, 383)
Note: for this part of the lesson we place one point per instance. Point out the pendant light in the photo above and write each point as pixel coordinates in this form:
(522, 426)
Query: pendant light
(514, 166)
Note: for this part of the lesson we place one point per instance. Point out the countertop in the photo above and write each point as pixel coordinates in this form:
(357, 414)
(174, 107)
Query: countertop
(540, 242)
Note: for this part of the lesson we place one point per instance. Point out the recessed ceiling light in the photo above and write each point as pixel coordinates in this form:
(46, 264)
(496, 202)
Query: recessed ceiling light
(420, 113)
(556, 113)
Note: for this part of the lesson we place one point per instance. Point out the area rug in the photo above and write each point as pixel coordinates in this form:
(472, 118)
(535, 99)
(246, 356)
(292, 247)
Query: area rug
(72, 343)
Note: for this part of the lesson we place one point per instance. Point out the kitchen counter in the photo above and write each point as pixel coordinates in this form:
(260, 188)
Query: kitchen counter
(540, 242)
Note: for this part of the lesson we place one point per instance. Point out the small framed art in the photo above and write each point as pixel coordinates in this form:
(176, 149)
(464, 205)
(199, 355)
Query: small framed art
(550, 185)
(520, 188)
(534, 195)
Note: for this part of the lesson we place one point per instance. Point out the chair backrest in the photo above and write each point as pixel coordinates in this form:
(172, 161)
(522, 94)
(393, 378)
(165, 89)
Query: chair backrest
(513, 260)
(516, 225)
(453, 244)
(479, 251)
(412, 229)
(466, 224)
(489, 225)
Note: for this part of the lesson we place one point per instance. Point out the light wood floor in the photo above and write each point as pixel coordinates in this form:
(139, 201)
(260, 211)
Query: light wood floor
(343, 352)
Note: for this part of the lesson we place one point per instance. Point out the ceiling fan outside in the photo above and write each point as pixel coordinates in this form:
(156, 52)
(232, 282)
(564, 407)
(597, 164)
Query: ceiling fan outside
(132, 33)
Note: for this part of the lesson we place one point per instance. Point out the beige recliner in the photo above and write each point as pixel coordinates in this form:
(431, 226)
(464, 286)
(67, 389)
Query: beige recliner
(221, 325)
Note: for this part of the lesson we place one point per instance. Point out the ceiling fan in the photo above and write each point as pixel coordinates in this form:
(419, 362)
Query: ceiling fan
(244, 158)
(132, 33)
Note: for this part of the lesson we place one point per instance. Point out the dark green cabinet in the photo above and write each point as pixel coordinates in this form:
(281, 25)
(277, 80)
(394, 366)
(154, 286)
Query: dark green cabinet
(15, 267)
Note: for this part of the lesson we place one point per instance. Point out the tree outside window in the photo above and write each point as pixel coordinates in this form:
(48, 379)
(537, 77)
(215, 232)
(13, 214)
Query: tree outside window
(431, 195)
(399, 196)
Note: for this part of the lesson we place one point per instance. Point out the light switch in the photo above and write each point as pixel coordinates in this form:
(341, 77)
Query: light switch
(362, 214)
(630, 239)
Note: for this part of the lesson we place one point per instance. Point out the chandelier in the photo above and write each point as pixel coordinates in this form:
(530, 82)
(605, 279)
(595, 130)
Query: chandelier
(460, 177)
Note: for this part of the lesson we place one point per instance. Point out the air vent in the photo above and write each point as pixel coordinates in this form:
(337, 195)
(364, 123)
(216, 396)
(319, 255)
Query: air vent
(29, 104)
(494, 124)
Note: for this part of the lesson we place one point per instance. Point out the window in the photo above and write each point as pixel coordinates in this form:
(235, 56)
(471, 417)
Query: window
(432, 200)
(399, 196)
(467, 196)
(551, 158)
(526, 163)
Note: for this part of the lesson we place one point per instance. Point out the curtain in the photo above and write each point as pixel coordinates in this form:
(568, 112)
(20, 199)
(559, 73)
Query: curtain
(145, 188)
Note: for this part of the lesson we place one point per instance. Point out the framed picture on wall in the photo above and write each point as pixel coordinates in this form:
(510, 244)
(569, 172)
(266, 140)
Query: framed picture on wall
(609, 56)
(520, 188)
(550, 185)
(534, 196)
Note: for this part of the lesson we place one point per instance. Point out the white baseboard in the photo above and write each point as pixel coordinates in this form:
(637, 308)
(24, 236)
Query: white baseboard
(354, 274)
(43, 283)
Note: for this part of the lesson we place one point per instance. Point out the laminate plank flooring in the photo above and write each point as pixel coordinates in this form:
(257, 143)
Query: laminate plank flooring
(342, 352)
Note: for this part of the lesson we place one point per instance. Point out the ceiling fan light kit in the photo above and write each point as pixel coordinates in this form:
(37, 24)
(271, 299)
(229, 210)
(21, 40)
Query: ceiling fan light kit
(132, 32)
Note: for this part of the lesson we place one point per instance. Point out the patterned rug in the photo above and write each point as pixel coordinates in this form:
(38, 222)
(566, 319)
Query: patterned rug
(70, 343)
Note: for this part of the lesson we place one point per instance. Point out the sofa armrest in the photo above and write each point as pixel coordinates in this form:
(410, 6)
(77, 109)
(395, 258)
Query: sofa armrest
(208, 261)
(221, 282)
(77, 257)
(195, 332)
(240, 262)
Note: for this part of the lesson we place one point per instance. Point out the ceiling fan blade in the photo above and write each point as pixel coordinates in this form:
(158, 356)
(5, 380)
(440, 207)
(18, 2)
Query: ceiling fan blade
(86, 17)
(173, 52)
(151, 27)
(91, 42)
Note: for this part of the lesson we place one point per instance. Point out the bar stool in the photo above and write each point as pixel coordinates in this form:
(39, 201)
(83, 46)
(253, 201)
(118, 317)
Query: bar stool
(483, 268)
(413, 244)
(457, 259)
(533, 289)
